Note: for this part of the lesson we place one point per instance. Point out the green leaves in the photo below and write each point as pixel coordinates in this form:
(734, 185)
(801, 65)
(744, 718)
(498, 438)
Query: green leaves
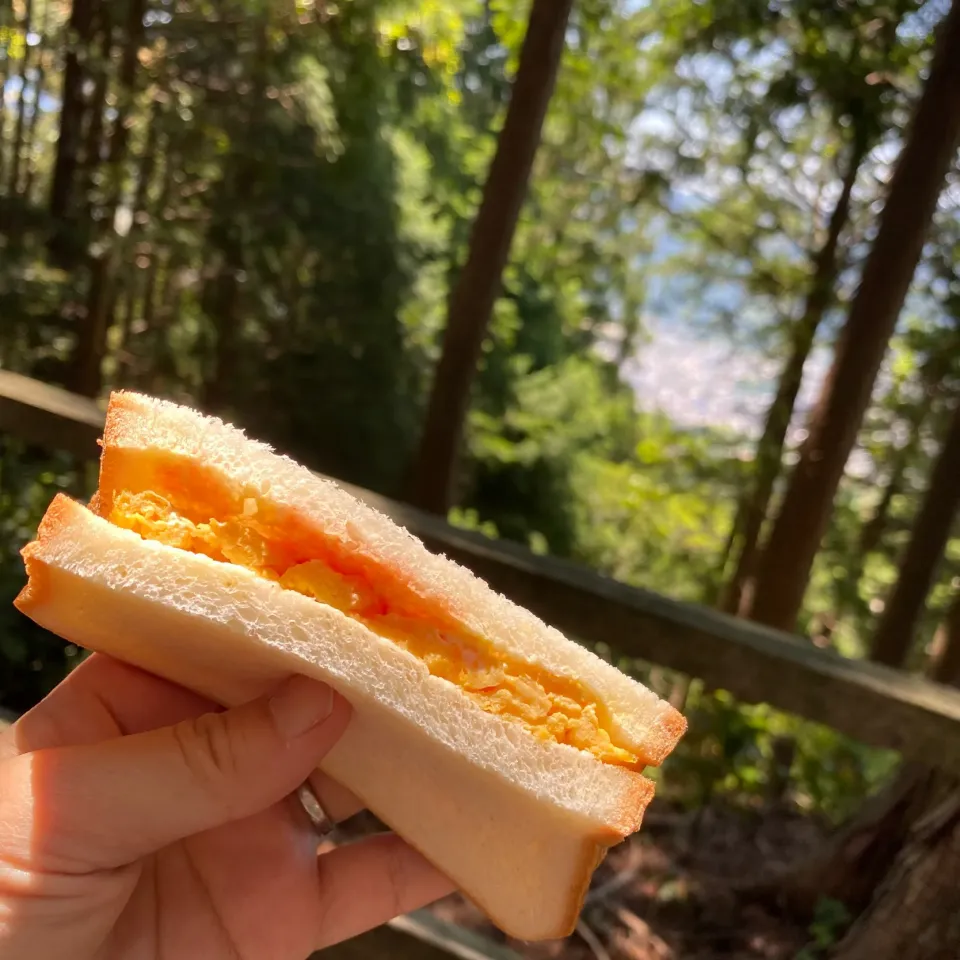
(31, 660)
(316, 98)
(13, 42)
(830, 921)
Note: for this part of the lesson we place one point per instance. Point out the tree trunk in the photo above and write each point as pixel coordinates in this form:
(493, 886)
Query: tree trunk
(769, 458)
(853, 865)
(161, 308)
(63, 247)
(225, 296)
(38, 89)
(855, 859)
(145, 171)
(931, 531)
(225, 309)
(150, 291)
(13, 188)
(914, 190)
(898, 845)
(124, 318)
(473, 297)
(87, 361)
(92, 153)
(915, 914)
(946, 667)
(6, 18)
(148, 340)
(872, 532)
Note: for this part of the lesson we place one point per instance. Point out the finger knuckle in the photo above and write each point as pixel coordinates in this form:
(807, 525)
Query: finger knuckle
(212, 756)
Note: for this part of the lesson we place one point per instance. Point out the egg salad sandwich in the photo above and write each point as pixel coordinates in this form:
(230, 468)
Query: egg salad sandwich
(508, 755)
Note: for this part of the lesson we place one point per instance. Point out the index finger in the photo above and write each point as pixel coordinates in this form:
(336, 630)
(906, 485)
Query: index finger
(105, 698)
(101, 699)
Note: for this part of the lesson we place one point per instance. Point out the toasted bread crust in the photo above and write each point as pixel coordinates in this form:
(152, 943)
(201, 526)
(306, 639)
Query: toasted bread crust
(634, 806)
(664, 735)
(124, 425)
(36, 591)
(591, 855)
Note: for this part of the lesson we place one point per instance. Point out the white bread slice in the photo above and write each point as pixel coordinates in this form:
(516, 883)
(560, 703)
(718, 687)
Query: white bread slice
(518, 823)
(638, 720)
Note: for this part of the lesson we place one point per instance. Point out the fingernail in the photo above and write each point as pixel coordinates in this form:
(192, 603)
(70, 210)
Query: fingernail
(300, 705)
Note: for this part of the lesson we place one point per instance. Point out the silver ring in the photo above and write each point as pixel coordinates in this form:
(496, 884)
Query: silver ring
(321, 821)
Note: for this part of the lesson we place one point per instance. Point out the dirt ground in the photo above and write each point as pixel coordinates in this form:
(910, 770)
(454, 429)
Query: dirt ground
(666, 894)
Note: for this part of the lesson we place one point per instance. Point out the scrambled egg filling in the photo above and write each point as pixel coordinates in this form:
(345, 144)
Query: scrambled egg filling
(552, 708)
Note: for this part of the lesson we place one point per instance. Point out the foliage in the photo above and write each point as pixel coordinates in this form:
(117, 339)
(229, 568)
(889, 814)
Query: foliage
(826, 929)
(31, 660)
(732, 751)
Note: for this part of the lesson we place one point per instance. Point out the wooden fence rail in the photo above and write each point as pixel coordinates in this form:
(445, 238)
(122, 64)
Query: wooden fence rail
(418, 936)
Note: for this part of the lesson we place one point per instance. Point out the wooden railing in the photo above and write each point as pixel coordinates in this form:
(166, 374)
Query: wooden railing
(873, 704)
(419, 936)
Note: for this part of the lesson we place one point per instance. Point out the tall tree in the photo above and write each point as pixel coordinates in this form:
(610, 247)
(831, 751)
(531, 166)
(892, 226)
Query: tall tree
(87, 361)
(769, 456)
(80, 27)
(478, 284)
(16, 151)
(916, 912)
(898, 430)
(946, 668)
(126, 287)
(895, 858)
(97, 63)
(913, 856)
(901, 458)
(6, 18)
(230, 235)
(931, 531)
(39, 91)
(914, 190)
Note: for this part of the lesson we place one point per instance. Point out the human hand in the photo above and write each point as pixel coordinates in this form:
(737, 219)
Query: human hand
(139, 821)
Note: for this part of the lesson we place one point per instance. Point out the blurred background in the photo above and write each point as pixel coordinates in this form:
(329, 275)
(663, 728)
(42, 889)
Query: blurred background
(668, 290)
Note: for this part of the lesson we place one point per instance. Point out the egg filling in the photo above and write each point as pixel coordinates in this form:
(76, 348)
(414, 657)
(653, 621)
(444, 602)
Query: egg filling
(550, 707)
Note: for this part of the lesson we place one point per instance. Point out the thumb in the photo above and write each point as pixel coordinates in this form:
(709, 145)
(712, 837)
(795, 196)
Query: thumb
(104, 805)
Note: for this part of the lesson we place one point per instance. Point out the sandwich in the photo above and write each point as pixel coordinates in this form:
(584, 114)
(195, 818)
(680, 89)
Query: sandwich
(510, 756)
